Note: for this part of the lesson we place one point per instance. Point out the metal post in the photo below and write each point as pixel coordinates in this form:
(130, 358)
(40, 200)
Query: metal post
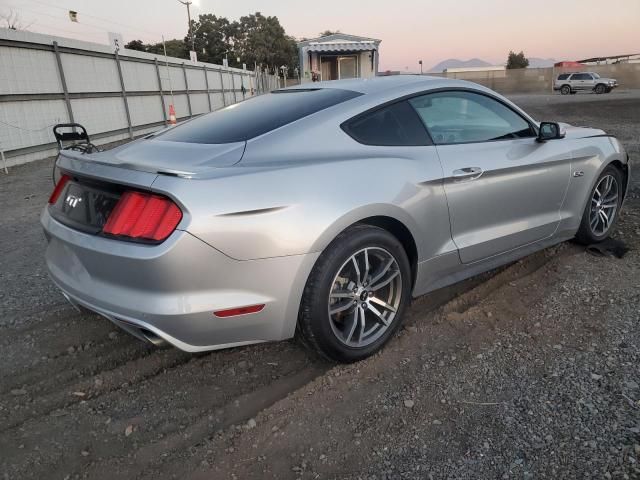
(224, 100)
(64, 82)
(233, 87)
(186, 86)
(4, 161)
(193, 41)
(164, 110)
(124, 93)
(206, 81)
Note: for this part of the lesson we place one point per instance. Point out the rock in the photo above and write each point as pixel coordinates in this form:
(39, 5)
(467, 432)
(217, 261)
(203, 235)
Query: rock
(595, 376)
(437, 422)
(242, 364)
(113, 335)
(71, 350)
(128, 431)
(251, 423)
(409, 403)
(18, 391)
(84, 453)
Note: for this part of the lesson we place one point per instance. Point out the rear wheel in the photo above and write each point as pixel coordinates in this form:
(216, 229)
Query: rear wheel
(600, 89)
(565, 90)
(356, 294)
(601, 211)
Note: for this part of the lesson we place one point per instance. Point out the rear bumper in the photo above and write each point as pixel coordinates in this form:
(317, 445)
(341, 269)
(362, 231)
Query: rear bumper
(168, 292)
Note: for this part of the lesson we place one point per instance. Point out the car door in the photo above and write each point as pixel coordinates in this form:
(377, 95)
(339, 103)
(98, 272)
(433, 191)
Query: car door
(579, 81)
(504, 189)
(589, 82)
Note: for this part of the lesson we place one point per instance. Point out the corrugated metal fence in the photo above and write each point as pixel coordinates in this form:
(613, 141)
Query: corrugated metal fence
(46, 80)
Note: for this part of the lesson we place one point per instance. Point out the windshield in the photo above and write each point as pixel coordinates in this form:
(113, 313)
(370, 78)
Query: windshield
(256, 116)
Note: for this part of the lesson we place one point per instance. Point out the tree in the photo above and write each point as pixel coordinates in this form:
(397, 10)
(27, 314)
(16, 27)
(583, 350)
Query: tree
(136, 45)
(12, 21)
(212, 37)
(262, 40)
(254, 39)
(175, 48)
(517, 60)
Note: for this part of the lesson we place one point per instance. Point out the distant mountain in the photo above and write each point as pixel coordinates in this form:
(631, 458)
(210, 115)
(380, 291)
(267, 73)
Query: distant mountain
(534, 62)
(541, 62)
(456, 63)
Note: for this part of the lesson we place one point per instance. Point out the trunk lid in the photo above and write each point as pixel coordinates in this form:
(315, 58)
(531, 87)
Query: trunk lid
(153, 155)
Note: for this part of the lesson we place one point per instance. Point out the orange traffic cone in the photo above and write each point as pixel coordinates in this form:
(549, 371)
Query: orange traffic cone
(172, 115)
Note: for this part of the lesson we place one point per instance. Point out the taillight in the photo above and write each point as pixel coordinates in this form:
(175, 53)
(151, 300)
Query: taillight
(143, 216)
(57, 190)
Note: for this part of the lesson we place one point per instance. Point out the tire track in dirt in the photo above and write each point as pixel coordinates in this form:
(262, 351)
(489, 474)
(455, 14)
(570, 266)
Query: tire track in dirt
(148, 374)
(263, 453)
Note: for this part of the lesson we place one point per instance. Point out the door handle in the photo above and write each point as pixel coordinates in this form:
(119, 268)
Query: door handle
(468, 173)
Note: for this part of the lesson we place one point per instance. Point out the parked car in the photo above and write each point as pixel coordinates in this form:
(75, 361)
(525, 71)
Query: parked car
(321, 210)
(583, 81)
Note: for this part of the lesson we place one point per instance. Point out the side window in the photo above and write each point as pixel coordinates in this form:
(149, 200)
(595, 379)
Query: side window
(393, 125)
(564, 76)
(466, 117)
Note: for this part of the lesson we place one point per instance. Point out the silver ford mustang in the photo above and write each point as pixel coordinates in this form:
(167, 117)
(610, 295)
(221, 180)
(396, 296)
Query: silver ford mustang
(321, 210)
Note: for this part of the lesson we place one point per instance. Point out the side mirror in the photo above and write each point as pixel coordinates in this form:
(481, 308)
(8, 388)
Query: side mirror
(549, 131)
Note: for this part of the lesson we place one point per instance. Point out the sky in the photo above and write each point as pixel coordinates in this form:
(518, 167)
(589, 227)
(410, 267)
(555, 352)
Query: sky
(410, 30)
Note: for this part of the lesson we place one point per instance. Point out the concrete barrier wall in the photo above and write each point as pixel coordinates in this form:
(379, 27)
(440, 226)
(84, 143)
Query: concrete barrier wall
(46, 80)
(540, 80)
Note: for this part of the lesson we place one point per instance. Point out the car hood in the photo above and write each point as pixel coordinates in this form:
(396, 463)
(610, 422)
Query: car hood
(572, 131)
(177, 158)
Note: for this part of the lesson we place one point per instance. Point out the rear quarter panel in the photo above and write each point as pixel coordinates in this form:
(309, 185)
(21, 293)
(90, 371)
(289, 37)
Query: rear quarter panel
(298, 208)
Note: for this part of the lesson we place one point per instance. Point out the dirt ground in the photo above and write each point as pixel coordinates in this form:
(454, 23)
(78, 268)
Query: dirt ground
(530, 372)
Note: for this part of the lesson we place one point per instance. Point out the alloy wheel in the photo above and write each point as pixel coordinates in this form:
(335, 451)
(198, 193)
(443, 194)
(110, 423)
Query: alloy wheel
(365, 297)
(604, 205)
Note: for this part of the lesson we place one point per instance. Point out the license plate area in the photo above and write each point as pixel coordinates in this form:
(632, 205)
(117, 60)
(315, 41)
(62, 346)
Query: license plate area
(84, 206)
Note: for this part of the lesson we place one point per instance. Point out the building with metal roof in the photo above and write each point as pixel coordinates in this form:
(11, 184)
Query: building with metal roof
(338, 56)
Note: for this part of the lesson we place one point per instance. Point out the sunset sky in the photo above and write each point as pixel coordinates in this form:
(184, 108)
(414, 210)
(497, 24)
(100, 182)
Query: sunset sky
(410, 29)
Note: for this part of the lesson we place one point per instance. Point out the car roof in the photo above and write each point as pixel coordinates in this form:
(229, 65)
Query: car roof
(379, 84)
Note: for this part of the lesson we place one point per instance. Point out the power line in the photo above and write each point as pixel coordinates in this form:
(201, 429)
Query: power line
(99, 28)
(137, 29)
(27, 129)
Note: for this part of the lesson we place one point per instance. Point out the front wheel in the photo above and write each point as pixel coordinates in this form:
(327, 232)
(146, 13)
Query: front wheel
(600, 89)
(356, 294)
(601, 211)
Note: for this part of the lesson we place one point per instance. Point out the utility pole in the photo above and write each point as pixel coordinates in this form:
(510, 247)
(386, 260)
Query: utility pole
(193, 40)
(420, 62)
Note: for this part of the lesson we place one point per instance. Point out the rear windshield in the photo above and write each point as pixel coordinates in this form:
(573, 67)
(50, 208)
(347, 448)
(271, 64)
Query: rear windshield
(258, 115)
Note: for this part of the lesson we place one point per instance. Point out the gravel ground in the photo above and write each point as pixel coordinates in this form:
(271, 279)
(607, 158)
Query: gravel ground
(530, 372)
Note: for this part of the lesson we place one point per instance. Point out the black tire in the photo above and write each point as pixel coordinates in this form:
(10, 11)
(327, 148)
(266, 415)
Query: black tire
(600, 88)
(565, 90)
(585, 234)
(314, 323)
